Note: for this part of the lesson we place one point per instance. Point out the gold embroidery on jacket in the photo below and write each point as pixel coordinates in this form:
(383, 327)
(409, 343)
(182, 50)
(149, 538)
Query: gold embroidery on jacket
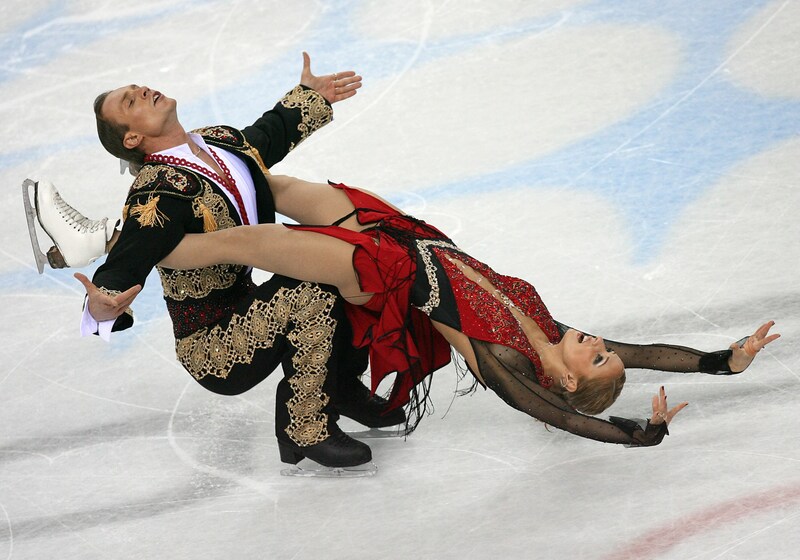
(220, 133)
(212, 208)
(256, 155)
(209, 222)
(146, 176)
(315, 112)
(305, 312)
(223, 134)
(198, 282)
(148, 214)
(150, 175)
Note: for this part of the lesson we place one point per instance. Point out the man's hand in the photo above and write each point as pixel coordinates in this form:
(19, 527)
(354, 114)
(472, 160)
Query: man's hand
(744, 352)
(105, 307)
(333, 87)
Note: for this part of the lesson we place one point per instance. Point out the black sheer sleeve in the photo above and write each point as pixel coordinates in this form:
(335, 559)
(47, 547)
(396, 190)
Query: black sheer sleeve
(510, 374)
(668, 357)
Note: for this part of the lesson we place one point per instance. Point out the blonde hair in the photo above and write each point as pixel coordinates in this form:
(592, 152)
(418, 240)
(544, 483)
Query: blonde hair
(595, 395)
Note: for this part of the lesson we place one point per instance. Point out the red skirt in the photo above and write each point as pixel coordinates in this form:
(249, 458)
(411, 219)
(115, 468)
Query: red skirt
(400, 337)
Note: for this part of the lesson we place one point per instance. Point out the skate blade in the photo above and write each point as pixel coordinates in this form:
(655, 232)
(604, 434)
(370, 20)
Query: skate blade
(30, 215)
(311, 469)
(379, 433)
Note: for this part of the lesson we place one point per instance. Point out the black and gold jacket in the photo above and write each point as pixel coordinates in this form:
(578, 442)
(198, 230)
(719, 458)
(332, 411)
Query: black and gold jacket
(166, 202)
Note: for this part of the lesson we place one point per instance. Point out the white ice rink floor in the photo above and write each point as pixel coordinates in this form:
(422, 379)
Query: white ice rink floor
(638, 161)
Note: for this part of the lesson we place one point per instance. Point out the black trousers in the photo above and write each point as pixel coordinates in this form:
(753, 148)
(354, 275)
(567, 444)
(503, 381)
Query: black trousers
(299, 326)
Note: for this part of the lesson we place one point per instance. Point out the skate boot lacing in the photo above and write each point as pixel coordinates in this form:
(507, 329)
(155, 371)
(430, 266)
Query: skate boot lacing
(75, 219)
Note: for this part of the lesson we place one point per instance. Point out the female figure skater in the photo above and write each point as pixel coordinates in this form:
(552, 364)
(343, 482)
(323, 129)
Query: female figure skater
(412, 293)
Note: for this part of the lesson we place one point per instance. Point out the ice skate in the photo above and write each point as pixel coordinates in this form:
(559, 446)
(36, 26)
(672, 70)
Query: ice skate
(354, 401)
(378, 433)
(339, 456)
(79, 240)
(308, 468)
(309, 440)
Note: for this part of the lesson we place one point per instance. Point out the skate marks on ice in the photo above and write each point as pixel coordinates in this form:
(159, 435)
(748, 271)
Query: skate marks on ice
(191, 460)
(57, 457)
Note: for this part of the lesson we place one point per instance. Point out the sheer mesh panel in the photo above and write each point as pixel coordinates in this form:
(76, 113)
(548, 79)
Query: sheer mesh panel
(667, 357)
(509, 374)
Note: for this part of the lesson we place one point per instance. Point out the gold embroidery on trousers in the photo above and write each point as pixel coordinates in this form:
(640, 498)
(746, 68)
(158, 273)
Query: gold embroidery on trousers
(315, 112)
(305, 312)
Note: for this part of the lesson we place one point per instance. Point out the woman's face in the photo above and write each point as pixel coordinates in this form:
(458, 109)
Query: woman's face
(586, 356)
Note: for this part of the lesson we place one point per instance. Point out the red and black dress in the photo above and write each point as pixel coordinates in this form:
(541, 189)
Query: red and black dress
(402, 261)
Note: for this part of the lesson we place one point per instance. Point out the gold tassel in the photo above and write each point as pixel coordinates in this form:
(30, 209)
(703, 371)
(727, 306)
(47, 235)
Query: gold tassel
(148, 214)
(209, 223)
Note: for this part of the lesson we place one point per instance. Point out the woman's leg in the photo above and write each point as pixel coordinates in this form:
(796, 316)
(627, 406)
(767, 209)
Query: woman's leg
(299, 254)
(314, 203)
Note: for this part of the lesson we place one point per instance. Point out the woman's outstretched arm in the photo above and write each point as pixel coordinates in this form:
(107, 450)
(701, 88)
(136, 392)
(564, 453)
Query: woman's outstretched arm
(671, 357)
(509, 374)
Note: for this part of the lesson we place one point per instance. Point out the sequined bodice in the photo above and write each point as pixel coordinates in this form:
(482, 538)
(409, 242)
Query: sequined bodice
(480, 314)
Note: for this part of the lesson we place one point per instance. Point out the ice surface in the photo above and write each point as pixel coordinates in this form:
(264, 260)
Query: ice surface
(637, 161)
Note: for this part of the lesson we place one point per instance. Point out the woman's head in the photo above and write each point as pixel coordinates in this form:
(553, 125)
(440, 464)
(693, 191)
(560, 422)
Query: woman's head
(594, 376)
(594, 395)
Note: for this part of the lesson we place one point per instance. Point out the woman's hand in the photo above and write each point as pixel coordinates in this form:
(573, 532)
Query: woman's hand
(661, 413)
(333, 87)
(744, 351)
(103, 306)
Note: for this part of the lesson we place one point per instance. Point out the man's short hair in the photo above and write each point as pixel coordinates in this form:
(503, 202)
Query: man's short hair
(112, 135)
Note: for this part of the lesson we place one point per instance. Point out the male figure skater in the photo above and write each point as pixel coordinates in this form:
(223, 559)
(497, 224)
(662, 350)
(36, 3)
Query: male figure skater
(230, 334)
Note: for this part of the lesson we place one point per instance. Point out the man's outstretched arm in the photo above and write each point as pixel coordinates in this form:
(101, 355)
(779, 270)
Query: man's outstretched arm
(301, 112)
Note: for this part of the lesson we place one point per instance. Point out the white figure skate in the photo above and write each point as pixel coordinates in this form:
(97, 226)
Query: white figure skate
(79, 240)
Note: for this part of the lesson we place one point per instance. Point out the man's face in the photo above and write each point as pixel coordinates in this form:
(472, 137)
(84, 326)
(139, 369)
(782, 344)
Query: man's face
(146, 113)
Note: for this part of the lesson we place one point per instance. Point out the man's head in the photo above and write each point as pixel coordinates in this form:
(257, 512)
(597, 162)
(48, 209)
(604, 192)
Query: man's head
(133, 121)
